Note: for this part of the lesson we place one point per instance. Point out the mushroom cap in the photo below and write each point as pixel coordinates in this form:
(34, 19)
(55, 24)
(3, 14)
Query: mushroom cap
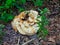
(25, 22)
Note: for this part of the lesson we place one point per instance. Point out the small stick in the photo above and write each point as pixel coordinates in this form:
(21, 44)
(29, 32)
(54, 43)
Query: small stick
(18, 41)
(28, 41)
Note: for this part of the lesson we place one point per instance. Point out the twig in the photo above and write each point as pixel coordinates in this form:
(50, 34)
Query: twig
(28, 41)
(18, 41)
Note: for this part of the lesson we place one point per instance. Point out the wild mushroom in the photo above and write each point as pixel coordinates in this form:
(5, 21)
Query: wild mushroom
(25, 22)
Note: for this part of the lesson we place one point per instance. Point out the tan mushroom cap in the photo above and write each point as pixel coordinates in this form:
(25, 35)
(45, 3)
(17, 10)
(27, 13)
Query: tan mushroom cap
(26, 23)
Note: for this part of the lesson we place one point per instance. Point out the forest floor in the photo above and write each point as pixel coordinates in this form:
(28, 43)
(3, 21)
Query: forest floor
(53, 38)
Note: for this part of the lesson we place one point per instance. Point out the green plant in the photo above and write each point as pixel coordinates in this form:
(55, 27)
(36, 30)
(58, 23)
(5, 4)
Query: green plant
(38, 2)
(22, 1)
(42, 22)
(1, 32)
(6, 9)
(9, 3)
(21, 9)
(6, 17)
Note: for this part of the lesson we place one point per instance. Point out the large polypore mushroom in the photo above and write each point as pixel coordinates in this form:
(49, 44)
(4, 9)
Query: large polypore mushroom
(25, 22)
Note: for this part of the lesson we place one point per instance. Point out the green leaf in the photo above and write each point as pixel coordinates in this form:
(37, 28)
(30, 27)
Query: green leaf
(1, 7)
(44, 11)
(23, 1)
(9, 3)
(44, 20)
(42, 32)
(38, 2)
(6, 17)
(9, 17)
(21, 9)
